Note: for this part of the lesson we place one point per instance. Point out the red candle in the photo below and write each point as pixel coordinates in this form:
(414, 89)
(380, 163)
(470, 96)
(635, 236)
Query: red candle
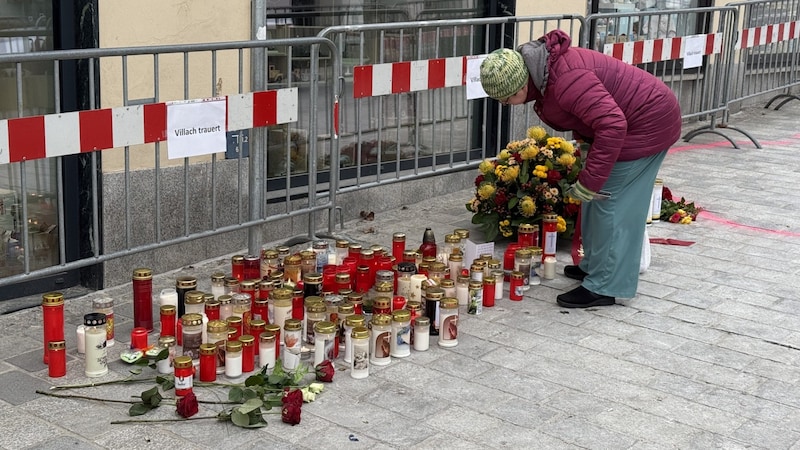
(184, 375)
(549, 234)
(139, 338)
(211, 309)
(398, 245)
(298, 309)
(488, 292)
(237, 267)
(168, 320)
(235, 323)
(248, 353)
(53, 320)
(143, 298)
(252, 267)
(57, 366)
(508, 258)
(208, 362)
(398, 302)
(363, 280)
(261, 310)
(515, 289)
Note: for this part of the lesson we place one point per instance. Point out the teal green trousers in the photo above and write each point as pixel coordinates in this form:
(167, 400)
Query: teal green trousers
(612, 230)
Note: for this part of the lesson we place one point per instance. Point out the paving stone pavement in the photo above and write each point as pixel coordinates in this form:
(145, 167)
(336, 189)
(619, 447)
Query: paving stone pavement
(705, 356)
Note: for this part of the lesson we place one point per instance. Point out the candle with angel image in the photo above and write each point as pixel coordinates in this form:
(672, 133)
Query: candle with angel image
(448, 314)
(380, 339)
(359, 367)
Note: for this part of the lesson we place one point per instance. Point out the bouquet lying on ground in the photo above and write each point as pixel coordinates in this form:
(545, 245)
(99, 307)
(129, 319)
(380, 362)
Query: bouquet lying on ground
(680, 211)
(526, 180)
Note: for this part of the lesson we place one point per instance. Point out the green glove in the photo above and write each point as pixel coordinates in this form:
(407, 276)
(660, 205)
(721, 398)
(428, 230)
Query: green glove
(578, 192)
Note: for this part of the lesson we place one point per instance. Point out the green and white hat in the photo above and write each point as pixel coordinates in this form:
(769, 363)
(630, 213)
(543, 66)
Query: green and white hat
(503, 73)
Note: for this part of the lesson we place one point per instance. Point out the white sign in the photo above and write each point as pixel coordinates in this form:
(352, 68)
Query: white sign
(196, 128)
(693, 51)
(474, 86)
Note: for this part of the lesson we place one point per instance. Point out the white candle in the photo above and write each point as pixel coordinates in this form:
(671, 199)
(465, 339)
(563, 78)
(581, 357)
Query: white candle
(168, 296)
(81, 331)
(549, 269)
(233, 364)
(416, 287)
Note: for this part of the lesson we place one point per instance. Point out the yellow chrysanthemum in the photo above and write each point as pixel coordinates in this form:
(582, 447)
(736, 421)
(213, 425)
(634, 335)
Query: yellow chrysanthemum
(504, 154)
(566, 159)
(510, 174)
(554, 142)
(561, 226)
(486, 190)
(527, 206)
(536, 133)
(567, 147)
(540, 171)
(486, 166)
(529, 152)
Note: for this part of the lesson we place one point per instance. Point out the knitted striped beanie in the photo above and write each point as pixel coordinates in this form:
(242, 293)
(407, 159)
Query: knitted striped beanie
(503, 73)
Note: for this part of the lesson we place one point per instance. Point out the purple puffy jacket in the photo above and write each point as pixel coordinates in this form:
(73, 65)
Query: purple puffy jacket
(625, 112)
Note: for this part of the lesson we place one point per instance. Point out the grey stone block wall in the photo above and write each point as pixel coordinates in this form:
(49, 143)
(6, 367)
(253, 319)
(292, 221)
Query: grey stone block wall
(171, 192)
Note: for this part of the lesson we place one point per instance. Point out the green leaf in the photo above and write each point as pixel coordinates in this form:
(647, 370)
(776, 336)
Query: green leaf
(250, 405)
(524, 173)
(167, 384)
(235, 394)
(254, 380)
(239, 418)
(250, 394)
(512, 203)
(137, 409)
(152, 397)
(136, 371)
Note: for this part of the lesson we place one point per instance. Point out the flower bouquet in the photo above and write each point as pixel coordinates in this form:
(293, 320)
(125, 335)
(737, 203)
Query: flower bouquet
(526, 180)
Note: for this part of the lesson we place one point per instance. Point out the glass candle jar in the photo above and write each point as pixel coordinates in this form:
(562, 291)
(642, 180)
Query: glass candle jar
(536, 263)
(448, 317)
(315, 312)
(499, 283)
(225, 306)
(354, 250)
(217, 284)
(52, 320)
(320, 249)
(143, 298)
(475, 300)
(462, 290)
(168, 320)
(168, 296)
(184, 375)
(508, 259)
(269, 262)
(308, 262)
(476, 270)
(404, 272)
(340, 251)
(291, 269)
(449, 287)
(266, 349)
(398, 245)
(105, 306)
(281, 306)
(549, 235)
(422, 329)
(515, 290)
(241, 309)
(257, 326)
(192, 334)
(248, 352)
(382, 305)
(182, 286)
(252, 267)
(522, 263)
(193, 302)
(489, 289)
(237, 267)
(352, 321)
(211, 309)
(363, 280)
(359, 363)
(231, 285)
(217, 334)
(433, 296)
(324, 341)
(233, 359)
(96, 352)
(208, 362)
(138, 338)
(312, 284)
(293, 343)
(380, 337)
(415, 309)
(249, 287)
(283, 253)
(400, 338)
(454, 265)
(527, 235)
(57, 358)
(235, 324)
(167, 343)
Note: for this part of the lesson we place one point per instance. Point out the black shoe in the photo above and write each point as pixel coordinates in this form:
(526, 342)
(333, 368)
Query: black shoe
(580, 297)
(574, 272)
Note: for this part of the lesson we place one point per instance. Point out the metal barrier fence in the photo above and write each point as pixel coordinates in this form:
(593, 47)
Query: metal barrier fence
(147, 201)
(404, 111)
(673, 45)
(768, 50)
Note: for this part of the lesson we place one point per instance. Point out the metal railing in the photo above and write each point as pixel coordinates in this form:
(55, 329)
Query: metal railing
(145, 200)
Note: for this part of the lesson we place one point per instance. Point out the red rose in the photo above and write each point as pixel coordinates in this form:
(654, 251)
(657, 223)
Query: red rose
(666, 193)
(553, 176)
(500, 198)
(478, 180)
(571, 209)
(292, 405)
(187, 405)
(324, 371)
(675, 218)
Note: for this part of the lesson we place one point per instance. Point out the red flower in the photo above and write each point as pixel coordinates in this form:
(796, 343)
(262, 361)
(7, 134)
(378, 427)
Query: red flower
(666, 193)
(553, 176)
(571, 209)
(500, 198)
(478, 180)
(324, 371)
(675, 218)
(187, 405)
(292, 405)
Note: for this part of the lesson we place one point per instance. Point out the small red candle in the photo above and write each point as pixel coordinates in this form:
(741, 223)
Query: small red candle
(184, 375)
(398, 245)
(237, 267)
(143, 298)
(53, 320)
(57, 365)
(211, 309)
(515, 289)
(488, 292)
(235, 323)
(139, 338)
(398, 302)
(208, 362)
(168, 320)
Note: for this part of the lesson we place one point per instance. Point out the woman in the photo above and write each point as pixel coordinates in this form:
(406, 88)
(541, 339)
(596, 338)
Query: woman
(629, 117)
